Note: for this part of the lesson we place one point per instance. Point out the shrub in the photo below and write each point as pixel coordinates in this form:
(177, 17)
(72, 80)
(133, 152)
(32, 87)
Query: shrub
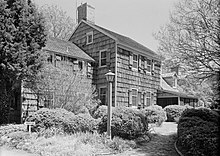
(198, 132)
(155, 114)
(62, 120)
(100, 112)
(11, 128)
(127, 123)
(174, 112)
(203, 113)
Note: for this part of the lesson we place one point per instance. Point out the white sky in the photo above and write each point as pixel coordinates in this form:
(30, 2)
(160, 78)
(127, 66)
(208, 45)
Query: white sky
(137, 19)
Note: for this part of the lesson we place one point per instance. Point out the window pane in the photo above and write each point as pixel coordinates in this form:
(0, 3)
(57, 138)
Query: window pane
(103, 54)
(103, 62)
(135, 64)
(134, 92)
(135, 57)
(147, 94)
(134, 101)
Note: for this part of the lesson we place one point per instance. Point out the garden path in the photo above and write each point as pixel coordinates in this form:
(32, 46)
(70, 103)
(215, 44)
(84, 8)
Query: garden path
(162, 143)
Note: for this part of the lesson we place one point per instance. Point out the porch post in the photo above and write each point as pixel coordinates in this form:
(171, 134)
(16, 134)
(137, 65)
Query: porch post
(178, 100)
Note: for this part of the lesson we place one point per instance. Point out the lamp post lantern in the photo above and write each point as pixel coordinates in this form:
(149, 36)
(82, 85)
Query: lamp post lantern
(110, 78)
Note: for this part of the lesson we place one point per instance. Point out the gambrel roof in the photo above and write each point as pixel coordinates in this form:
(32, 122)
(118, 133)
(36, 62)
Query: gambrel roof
(66, 48)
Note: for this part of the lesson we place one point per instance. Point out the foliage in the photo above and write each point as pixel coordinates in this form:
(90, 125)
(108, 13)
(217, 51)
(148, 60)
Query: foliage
(100, 112)
(21, 38)
(127, 123)
(174, 112)
(66, 89)
(60, 121)
(155, 114)
(198, 137)
(58, 23)
(203, 113)
(11, 128)
(191, 40)
(198, 132)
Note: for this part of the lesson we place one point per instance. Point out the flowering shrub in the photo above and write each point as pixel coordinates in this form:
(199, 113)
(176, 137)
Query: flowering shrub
(100, 112)
(174, 112)
(127, 123)
(155, 114)
(62, 120)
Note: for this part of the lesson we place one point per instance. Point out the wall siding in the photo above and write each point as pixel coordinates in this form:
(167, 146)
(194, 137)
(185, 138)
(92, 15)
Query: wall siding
(100, 42)
(128, 78)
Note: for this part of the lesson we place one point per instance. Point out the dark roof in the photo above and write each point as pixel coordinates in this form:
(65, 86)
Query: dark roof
(126, 41)
(66, 48)
(164, 86)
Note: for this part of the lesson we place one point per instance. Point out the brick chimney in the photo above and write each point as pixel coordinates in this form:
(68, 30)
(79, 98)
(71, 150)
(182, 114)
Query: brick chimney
(86, 12)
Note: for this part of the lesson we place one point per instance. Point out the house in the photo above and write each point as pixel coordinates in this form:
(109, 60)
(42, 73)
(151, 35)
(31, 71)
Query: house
(136, 68)
(60, 54)
(170, 93)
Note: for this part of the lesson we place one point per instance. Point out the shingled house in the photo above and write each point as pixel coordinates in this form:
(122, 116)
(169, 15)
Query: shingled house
(136, 68)
(60, 54)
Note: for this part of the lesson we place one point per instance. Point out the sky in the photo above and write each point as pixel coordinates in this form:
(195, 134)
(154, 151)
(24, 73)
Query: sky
(137, 19)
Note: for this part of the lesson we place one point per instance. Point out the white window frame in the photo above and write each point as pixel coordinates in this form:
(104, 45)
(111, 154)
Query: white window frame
(87, 37)
(147, 66)
(134, 106)
(100, 59)
(103, 94)
(134, 61)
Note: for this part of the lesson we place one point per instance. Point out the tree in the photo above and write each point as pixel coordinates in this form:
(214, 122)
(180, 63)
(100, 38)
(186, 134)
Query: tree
(63, 88)
(21, 38)
(192, 39)
(58, 23)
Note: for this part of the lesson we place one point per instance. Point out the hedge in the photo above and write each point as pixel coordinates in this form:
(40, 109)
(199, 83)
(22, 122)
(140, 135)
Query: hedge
(155, 114)
(198, 132)
(62, 119)
(174, 112)
(127, 123)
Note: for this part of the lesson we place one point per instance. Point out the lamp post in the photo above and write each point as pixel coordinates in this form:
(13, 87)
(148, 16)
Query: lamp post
(110, 78)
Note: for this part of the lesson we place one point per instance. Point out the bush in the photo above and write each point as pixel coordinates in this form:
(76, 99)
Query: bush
(127, 123)
(203, 113)
(174, 112)
(100, 112)
(155, 114)
(62, 120)
(198, 132)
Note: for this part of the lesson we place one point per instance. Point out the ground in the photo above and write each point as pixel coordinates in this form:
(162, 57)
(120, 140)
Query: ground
(162, 144)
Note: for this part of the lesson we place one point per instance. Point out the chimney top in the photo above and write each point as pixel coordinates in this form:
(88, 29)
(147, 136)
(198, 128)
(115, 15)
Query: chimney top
(86, 12)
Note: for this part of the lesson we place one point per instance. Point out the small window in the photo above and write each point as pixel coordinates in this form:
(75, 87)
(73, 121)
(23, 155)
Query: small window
(103, 95)
(148, 66)
(89, 38)
(134, 97)
(50, 58)
(135, 61)
(80, 65)
(148, 98)
(103, 58)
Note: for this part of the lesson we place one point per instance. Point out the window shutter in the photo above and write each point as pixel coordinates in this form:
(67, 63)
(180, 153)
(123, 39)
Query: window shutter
(130, 60)
(129, 98)
(139, 62)
(108, 57)
(139, 100)
(145, 100)
(152, 66)
(152, 99)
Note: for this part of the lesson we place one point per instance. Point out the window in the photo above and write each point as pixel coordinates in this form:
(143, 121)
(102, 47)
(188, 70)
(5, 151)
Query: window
(50, 58)
(148, 66)
(89, 38)
(135, 61)
(134, 97)
(103, 95)
(80, 65)
(148, 99)
(103, 58)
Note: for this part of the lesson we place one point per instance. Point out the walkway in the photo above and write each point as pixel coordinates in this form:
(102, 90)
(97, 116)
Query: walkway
(162, 143)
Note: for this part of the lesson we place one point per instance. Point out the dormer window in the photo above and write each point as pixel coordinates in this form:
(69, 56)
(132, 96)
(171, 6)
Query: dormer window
(89, 37)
